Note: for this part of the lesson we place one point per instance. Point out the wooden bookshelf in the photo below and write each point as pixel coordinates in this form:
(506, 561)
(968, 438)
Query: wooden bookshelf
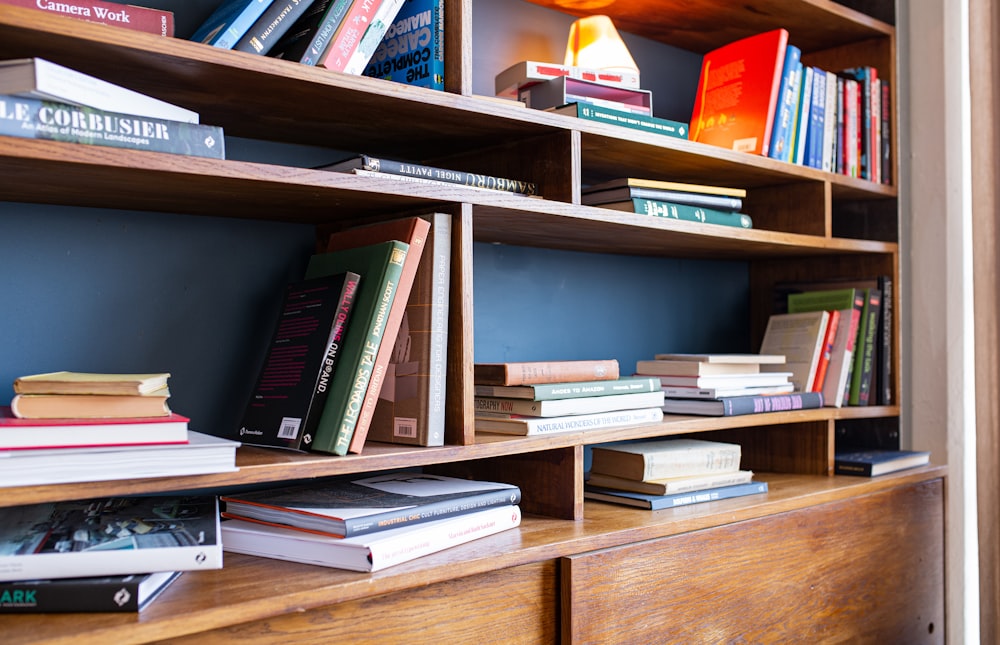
(808, 224)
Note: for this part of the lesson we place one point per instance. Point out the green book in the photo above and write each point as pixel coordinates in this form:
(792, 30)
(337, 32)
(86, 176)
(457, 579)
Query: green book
(827, 299)
(864, 354)
(380, 266)
(685, 212)
(625, 118)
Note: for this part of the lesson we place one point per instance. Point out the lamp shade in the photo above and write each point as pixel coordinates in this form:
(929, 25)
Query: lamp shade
(594, 43)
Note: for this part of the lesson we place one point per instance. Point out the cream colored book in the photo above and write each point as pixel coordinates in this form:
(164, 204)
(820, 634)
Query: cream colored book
(91, 383)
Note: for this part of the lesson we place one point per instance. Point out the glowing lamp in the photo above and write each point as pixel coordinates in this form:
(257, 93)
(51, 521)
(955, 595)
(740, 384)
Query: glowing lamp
(594, 43)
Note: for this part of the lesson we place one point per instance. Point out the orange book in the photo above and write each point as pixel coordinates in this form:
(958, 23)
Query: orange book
(738, 93)
(824, 358)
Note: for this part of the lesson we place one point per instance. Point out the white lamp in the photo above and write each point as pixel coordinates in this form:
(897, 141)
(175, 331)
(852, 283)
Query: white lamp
(594, 43)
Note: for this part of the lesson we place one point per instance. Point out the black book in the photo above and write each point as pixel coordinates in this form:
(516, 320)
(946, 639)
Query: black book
(271, 26)
(288, 398)
(96, 594)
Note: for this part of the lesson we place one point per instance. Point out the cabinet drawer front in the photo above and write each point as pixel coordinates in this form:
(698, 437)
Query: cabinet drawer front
(869, 569)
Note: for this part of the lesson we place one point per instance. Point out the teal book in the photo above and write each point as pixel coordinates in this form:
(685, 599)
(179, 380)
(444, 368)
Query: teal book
(624, 118)
(687, 212)
(379, 266)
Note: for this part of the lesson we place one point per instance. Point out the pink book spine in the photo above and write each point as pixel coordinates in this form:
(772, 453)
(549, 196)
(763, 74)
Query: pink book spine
(338, 52)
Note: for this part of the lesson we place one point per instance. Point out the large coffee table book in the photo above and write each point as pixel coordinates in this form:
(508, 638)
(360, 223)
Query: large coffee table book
(809, 225)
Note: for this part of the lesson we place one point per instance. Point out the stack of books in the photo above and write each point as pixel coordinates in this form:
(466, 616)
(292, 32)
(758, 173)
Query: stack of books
(545, 397)
(726, 384)
(108, 554)
(65, 427)
(341, 36)
(40, 99)
(367, 524)
(665, 473)
(671, 199)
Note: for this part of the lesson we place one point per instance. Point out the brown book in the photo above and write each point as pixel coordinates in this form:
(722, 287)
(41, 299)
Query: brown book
(534, 372)
(413, 231)
(90, 383)
(90, 406)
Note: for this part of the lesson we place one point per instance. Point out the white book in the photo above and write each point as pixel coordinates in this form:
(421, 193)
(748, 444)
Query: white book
(799, 337)
(523, 425)
(680, 392)
(729, 381)
(202, 454)
(563, 407)
(830, 123)
(372, 36)
(527, 72)
(371, 551)
(671, 485)
(109, 536)
(725, 359)
(41, 79)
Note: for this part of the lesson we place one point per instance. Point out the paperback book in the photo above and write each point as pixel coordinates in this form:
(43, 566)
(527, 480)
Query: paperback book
(570, 390)
(229, 22)
(134, 17)
(724, 203)
(665, 458)
(371, 551)
(685, 212)
(728, 381)
(800, 338)
(311, 33)
(109, 536)
(529, 426)
(271, 25)
(871, 463)
(412, 50)
(347, 508)
(624, 118)
(667, 186)
(129, 593)
(302, 360)
(90, 383)
(542, 372)
(20, 434)
(732, 406)
(528, 72)
(372, 36)
(670, 485)
(393, 167)
(681, 392)
(91, 406)
(565, 90)
(659, 502)
(31, 118)
(562, 407)
(345, 40)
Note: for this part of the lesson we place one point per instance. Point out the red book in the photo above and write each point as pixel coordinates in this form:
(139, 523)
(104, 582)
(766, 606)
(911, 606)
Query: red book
(19, 434)
(738, 93)
(154, 21)
(413, 231)
(824, 358)
(338, 52)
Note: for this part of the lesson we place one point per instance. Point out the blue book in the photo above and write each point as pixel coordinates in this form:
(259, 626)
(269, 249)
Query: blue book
(412, 50)
(871, 463)
(229, 22)
(817, 121)
(657, 502)
(801, 121)
(787, 93)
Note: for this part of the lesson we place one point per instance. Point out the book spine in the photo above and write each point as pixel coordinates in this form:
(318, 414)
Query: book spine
(717, 202)
(802, 116)
(345, 41)
(741, 405)
(778, 149)
(230, 22)
(839, 151)
(832, 324)
(436, 511)
(862, 354)
(476, 180)
(97, 594)
(690, 213)
(271, 25)
(632, 120)
(36, 119)
(571, 390)
(439, 536)
(573, 423)
(863, 395)
(727, 492)
(136, 18)
(325, 31)
(412, 51)
(817, 116)
(536, 373)
(842, 468)
(372, 37)
(828, 147)
(885, 338)
(886, 132)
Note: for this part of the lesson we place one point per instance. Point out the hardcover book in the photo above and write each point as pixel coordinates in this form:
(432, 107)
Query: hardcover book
(392, 167)
(90, 383)
(136, 18)
(90, 406)
(687, 392)
(527, 72)
(657, 184)
(229, 22)
(563, 90)
(737, 93)
(665, 458)
(109, 536)
(347, 508)
(570, 390)
(129, 593)
(563, 407)
(37, 119)
(271, 25)
(634, 120)
(302, 361)
(685, 212)
(658, 502)
(800, 338)
(872, 463)
(530, 426)
(17, 434)
(732, 406)
(371, 551)
(864, 358)
(670, 485)
(539, 372)
(729, 381)
(41, 79)
(381, 268)
(625, 193)
(410, 364)
(781, 131)
(201, 454)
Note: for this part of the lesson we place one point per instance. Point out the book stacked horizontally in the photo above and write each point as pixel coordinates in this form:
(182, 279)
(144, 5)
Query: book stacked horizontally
(370, 523)
(726, 384)
(665, 473)
(671, 199)
(64, 427)
(103, 555)
(42, 100)
(546, 397)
